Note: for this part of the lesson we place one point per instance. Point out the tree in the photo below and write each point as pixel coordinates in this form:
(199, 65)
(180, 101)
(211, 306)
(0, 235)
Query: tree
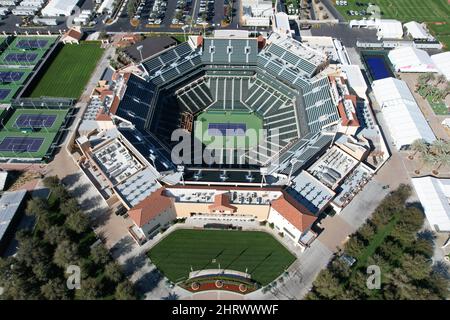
(125, 291)
(439, 146)
(66, 253)
(55, 235)
(416, 267)
(55, 289)
(51, 182)
(354, 246)
(366, 232)
(37, 207)
(78, 222)
(443, 160)
(427, 159)
(100, 255)
(68, 207)
(113, 272)
(327, 285)
(91, 289)
(419, 146)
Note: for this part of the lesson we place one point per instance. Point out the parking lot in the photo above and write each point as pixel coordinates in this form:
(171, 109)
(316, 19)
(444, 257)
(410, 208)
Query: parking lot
(173, 14)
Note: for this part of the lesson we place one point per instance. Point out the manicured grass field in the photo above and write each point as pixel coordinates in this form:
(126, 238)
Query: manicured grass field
(252, 121)
(257, 252)
(69, 72)
(429, 11)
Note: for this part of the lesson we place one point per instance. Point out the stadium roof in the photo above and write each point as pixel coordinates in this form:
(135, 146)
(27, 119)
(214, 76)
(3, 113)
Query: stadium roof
(417, 30)
(434, 195)
(355, 79)
(442, 63)
(409, 59)
(150, 47)
(401, 113)
(9, 205)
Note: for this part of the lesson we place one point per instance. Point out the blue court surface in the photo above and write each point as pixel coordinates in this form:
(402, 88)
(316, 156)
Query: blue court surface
(31, 44)
(10, 76)
(21, 144)
(4, 93)
(21, 57)
(226, 129)
(378, 68)
(35, 121)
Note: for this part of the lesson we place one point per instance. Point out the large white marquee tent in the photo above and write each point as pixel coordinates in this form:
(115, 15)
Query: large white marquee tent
(434, 195)
(401, 113)
(409, 59)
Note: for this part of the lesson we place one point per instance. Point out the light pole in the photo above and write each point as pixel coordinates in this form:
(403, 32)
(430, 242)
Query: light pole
(184, 31)
(139, 48)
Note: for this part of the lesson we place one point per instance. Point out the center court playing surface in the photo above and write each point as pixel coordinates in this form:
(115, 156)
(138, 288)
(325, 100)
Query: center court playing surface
(213, 127)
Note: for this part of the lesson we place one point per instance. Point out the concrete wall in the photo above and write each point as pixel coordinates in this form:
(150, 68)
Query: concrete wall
(280, 223)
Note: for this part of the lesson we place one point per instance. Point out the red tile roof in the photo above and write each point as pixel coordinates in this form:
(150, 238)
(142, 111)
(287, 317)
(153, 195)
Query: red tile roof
(294, 212)
(150, 207)
(222, 203)
(74, 34)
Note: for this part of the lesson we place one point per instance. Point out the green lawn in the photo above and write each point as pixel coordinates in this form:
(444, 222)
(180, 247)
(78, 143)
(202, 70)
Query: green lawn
(429, 11)
(69, 72)
(252, 121)
(439, 108)
(257, 252)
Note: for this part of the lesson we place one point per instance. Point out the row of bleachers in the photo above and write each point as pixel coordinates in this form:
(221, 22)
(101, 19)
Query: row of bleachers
(229, 92)
(292, 59)
(175, 70)
(320, 109)
(230, 51)
(166, 58)
(195, 97)
(137, 100)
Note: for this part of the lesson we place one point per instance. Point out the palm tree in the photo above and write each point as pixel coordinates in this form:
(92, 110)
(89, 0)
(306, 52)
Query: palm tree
(418, 145)
(443, 160)
(441, 79)
(427, 159)
(439, 146)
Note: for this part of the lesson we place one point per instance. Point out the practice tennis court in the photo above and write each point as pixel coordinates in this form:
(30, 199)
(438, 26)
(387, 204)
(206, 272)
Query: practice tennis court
(30, 44)
(21, 57)
(35, 121)
(21, 144)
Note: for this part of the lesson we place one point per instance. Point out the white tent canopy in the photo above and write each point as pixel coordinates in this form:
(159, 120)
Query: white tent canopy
(434, 195)
(59, 8)
(417, 31)
(409, 59)
(401, 113)
(442, 62)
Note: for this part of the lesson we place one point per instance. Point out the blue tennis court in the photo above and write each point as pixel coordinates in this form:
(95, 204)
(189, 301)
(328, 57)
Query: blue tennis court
(4, 93)
(21, 144)
(226, 129)
(10, 76)
(378, 67)
(21, 57)
(31, 44)
(35, 121)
